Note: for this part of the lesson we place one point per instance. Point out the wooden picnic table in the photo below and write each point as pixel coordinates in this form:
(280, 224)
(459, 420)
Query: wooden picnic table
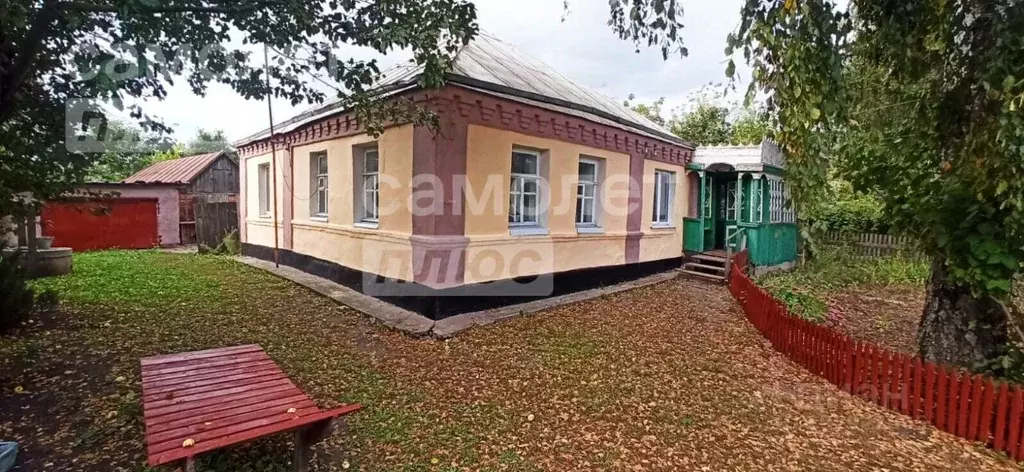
(195, 402)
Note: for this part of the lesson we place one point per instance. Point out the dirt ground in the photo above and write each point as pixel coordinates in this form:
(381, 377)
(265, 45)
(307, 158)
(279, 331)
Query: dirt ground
(885, 315)
(667, 377)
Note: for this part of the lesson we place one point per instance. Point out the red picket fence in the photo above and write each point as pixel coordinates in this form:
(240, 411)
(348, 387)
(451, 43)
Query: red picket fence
(974, 407)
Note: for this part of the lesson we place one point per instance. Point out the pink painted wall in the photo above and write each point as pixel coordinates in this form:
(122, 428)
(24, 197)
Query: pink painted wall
(167, 211)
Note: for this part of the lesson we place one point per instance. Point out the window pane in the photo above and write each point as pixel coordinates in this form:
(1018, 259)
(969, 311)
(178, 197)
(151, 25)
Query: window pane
(589, 190)
(588, 172)
(529, 208)
(370, 161)
(524, 163)
(322, 164)
(579, 211)
(529, 186)
(588, 211)
(580, 190)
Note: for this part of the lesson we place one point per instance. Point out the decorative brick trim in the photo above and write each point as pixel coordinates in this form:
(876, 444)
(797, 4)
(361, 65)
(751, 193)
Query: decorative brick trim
(438, 239)
(481, 109)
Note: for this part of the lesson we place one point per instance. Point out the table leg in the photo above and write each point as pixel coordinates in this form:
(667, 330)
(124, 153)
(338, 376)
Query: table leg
(190, 464)
(306, 438)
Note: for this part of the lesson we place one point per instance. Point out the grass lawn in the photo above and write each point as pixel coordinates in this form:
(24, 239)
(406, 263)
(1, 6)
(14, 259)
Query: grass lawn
(667, 377)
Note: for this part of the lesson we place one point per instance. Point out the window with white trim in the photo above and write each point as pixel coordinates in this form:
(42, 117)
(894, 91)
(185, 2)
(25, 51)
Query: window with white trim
(756, 200)
(586, 193)
(524, 189)
(730, 200)
(368, 193)
(263, 188)
(318, 182)
(664, 191)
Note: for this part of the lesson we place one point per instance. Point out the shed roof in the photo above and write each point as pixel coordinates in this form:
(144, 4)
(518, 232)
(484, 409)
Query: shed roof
(492, 66)
(175, 171)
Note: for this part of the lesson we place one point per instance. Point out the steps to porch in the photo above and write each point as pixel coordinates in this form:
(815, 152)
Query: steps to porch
(708, 265)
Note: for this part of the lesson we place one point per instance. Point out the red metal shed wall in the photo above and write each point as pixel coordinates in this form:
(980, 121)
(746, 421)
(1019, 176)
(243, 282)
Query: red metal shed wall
(102, 224)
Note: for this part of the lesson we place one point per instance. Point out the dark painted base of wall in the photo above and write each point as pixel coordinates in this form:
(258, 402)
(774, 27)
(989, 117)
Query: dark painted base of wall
(437, 304)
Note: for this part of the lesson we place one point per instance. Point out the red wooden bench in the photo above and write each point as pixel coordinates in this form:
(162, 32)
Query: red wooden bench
(195, 402)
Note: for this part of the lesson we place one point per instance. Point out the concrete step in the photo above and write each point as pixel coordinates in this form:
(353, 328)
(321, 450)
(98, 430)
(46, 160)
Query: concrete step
(704, 275)
(697, 266)
(710, 258)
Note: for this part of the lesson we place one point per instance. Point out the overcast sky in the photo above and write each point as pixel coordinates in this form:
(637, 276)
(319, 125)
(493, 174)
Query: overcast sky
(583, 48)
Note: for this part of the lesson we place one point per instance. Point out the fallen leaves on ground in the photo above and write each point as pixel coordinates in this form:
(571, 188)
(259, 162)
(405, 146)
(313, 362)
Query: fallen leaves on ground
(666, 377)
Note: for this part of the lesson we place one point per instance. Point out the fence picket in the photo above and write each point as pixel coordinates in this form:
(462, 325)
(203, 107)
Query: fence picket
(965, 404)
(905, 384)
(972, 425)
(985, 421)
(1003, 405)
(940, 400)
(974, 407)
(1015, 410)
(929, 392)
(915, 390)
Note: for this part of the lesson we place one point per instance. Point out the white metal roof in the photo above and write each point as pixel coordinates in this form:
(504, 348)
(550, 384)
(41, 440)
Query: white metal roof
(492, 66)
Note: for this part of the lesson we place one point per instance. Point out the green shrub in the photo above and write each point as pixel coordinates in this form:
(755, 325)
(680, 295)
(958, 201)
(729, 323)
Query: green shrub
(16, 298)
(849, 212)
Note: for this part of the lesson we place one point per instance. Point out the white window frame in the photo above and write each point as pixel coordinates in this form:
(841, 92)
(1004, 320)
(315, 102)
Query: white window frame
(593, 199)
(517, 194)
(368, 195)
(661, 192)
(263, 190)
(320, 185)
(731, 203)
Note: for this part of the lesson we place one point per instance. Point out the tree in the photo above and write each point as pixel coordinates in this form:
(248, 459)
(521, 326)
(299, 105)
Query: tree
(705, 125)
(207, 141)
(130, 150)
(751, 127)
(925, 101)
(651, 112)
(119, 50)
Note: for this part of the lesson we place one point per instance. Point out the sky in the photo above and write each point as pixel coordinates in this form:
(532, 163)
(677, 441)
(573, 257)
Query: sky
(582, 47)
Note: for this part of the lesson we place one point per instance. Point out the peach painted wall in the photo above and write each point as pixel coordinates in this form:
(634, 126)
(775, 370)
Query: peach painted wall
(663, 243)
(385, 250)
(260, 229)
(487, 175)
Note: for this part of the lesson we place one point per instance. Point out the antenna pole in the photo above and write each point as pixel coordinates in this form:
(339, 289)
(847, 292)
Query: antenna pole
(273, 151)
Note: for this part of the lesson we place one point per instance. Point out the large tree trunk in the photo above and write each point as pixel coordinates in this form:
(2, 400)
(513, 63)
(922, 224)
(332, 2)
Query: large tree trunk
(956, 328)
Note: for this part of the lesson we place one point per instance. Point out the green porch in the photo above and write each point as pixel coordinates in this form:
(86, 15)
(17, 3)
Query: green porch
(739, 206)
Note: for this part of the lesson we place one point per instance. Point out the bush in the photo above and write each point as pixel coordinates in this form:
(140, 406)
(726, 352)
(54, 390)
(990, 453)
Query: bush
(16, 298)
(849, 212)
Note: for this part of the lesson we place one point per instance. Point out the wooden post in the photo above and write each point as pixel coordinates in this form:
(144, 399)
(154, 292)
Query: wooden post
(190, 464)
(305, 438)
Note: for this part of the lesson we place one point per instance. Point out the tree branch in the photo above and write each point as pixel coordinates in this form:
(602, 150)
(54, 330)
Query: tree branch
(92, 8)
(12, 79)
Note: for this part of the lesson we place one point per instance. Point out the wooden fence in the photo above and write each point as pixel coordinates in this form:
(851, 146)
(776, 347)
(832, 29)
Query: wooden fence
(873, 244)
(214, 221)
(974, 407)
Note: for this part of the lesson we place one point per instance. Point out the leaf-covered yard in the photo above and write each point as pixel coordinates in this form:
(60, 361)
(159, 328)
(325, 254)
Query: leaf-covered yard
(667, 377)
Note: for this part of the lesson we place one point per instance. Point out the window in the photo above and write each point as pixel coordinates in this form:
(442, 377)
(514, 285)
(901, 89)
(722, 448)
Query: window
(586, 193)
(318, 172)
(370, 167)
(756, 201)
(263, 177)
(708, 194)
(524, 193)
(730, 201)
(664, 191)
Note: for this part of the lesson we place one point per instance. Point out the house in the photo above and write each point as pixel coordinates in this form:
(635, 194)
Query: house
(180, 183)
(739, 198)
(530, 186)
